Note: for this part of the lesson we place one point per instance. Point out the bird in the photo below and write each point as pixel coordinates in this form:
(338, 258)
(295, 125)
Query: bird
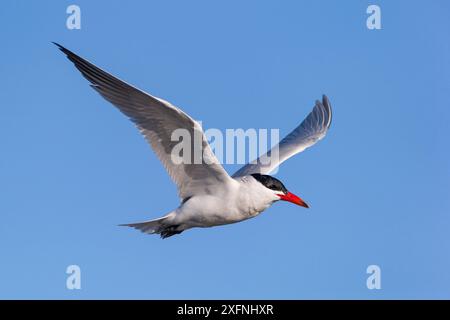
(209, 196)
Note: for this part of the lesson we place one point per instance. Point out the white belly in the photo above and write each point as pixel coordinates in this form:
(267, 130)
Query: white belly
(211, 210)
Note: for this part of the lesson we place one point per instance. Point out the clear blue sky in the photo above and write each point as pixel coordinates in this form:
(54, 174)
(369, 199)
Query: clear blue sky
(72, 167)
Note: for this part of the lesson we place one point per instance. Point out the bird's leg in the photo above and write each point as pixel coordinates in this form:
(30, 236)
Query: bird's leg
(170, 231)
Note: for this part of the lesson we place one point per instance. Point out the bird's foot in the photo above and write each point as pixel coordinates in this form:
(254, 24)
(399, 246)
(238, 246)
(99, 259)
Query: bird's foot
(170, 231)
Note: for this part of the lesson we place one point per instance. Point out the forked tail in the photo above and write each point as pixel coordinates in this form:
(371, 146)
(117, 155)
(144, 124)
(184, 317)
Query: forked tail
(162, 226)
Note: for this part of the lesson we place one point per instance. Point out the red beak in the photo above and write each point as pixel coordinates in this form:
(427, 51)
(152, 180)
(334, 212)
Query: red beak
(294, 199)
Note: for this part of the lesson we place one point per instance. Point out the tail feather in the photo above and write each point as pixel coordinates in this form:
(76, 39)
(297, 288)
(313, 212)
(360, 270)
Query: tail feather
(162, 226)
(149, 227)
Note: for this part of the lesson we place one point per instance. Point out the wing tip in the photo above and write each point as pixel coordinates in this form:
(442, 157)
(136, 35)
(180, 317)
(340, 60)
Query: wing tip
(69, 54)
(326, 103)
(60, 47)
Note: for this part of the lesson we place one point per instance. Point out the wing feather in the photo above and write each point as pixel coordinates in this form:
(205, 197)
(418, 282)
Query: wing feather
(157, 119)
(311, 130)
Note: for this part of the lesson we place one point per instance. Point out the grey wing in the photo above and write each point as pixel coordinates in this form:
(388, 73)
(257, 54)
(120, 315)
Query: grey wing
(311, 130)
(157, 120)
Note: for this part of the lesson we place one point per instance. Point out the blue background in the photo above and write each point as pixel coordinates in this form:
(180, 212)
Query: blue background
(72, 167)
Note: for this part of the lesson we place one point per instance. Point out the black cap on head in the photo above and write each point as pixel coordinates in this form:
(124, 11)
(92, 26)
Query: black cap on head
(270, 182)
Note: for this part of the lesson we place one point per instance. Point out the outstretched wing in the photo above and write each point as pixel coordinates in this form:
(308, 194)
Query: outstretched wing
(157, 119)
(311, 130)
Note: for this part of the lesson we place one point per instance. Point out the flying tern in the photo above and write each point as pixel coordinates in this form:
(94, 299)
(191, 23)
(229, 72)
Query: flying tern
(209, 196)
